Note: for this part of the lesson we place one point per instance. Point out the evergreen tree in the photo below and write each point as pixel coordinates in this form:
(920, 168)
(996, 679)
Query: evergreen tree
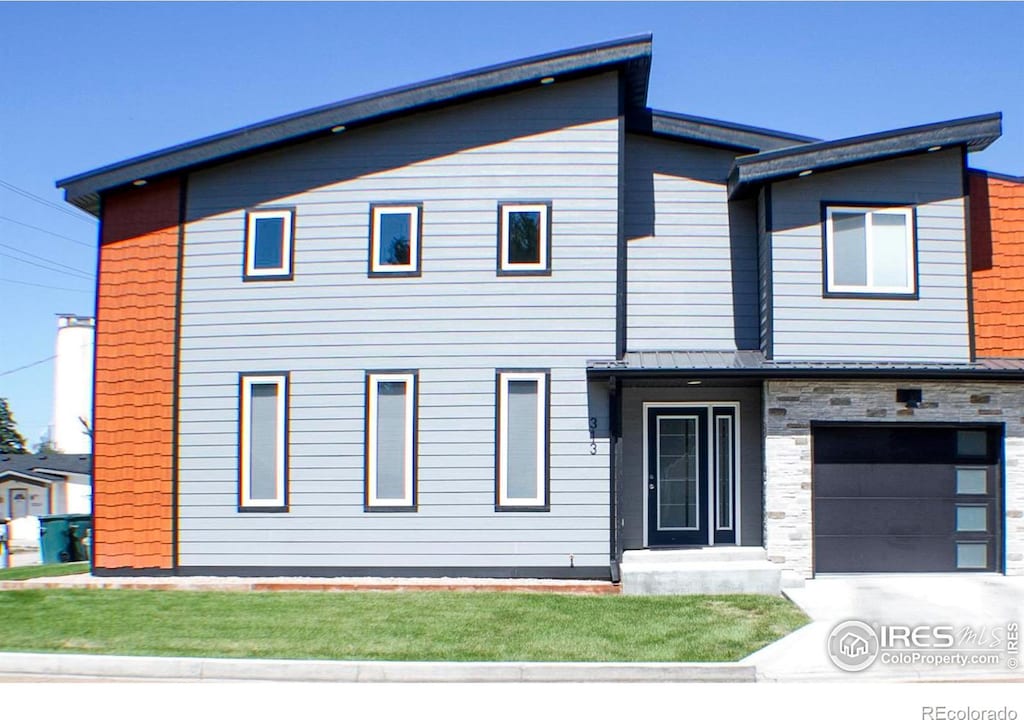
(11, 440)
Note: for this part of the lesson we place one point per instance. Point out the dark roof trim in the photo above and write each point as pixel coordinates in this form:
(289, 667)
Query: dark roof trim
(707, 131)
(632, 55)
(975, 133)
(997, 175)
(777, 373)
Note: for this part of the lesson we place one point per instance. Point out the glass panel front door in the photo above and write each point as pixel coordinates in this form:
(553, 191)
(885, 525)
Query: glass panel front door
(677, 487)
(677, 496)
(691, 475)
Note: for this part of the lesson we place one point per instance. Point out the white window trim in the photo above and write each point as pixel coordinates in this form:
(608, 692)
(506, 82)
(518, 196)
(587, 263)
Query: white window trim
(408, 499)
(543, 264)
(414, 239)
(540, 499)
(870, 288)
(287, 216)
(281, 381)
(716, 419)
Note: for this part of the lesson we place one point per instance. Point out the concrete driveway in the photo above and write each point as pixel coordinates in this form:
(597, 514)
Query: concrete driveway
(963, 604)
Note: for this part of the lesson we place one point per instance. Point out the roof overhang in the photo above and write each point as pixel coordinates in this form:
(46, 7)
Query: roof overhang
(751, 171)
(751, 364)
(630, 55)
(31, 479)
(706, 131)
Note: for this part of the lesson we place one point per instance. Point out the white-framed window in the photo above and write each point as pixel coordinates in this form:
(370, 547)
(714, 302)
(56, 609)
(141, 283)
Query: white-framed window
(395, 239)
(391, 440)
(268, 244)
(524, 238)
(870, 250)
(263, 441)
(522, 452)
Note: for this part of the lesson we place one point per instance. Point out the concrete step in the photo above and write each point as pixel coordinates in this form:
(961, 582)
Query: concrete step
(700, 571)
(714, 554)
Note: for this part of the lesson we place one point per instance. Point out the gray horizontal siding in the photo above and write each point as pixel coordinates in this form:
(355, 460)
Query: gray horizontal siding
(934, 327)
(692, 265)
(456, 323)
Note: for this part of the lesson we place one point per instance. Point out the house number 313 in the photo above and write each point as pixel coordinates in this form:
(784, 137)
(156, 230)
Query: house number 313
(593, 436)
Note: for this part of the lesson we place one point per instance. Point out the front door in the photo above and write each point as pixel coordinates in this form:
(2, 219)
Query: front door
(19, 503)
(691, 475)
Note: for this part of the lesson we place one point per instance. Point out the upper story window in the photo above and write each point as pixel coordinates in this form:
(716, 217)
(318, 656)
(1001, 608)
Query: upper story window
(263, 441)
(870, 251)
(395, 240)
(268, 244)
(524, 239)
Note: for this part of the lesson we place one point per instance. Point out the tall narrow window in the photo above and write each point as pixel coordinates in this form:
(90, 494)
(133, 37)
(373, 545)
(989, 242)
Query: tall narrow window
(395, 240)
(870, 251)
(391, 440)
(268, 244)
(524, 239)
(263, 438)
(522, 453)
(724, 451)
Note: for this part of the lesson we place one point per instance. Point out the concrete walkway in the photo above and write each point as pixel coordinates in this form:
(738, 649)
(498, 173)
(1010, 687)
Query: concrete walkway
(27, 666)
(975, 601)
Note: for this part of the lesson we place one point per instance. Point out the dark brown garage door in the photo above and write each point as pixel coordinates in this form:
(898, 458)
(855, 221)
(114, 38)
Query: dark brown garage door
(906, 499)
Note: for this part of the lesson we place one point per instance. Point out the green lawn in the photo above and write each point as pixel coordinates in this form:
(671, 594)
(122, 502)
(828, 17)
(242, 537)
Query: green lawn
(52, 570)
(394, 625)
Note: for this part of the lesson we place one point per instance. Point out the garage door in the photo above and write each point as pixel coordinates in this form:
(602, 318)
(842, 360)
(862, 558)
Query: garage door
(906, 499)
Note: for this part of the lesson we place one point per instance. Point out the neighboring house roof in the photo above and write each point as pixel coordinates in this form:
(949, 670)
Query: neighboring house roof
(752, 363)
(975, 133)
(632, 55)
(58, 463)
(26, 476)
(997, 263)
(692, 128)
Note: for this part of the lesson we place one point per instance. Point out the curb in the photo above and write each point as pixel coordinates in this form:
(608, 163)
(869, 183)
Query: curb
(113, 667)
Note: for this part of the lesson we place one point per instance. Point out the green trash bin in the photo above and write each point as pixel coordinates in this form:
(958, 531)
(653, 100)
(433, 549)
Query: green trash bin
(80, 527)
(55, 544)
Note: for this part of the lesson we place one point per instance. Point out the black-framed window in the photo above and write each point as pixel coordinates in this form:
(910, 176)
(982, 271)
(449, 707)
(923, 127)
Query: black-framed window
(524, 238)
(522, 455)
(395, 239)
(269, 244)
(869, 250)
(391, 448)
(263, 441)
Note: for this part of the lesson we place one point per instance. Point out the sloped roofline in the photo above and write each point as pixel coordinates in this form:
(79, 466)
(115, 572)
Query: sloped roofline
(631, 54)
(974, 133)
(708, 131)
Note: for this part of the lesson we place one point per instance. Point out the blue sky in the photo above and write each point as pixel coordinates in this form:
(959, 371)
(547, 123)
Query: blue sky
(83, 85)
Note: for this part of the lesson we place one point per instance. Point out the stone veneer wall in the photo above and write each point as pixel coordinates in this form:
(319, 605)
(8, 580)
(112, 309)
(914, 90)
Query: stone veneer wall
(790, 406)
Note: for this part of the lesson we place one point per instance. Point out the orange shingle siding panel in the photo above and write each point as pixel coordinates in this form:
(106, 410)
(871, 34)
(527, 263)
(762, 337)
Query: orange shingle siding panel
(997, 260)
(134, 404)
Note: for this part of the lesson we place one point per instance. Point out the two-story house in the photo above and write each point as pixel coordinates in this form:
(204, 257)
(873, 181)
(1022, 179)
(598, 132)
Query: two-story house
(513, 322)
